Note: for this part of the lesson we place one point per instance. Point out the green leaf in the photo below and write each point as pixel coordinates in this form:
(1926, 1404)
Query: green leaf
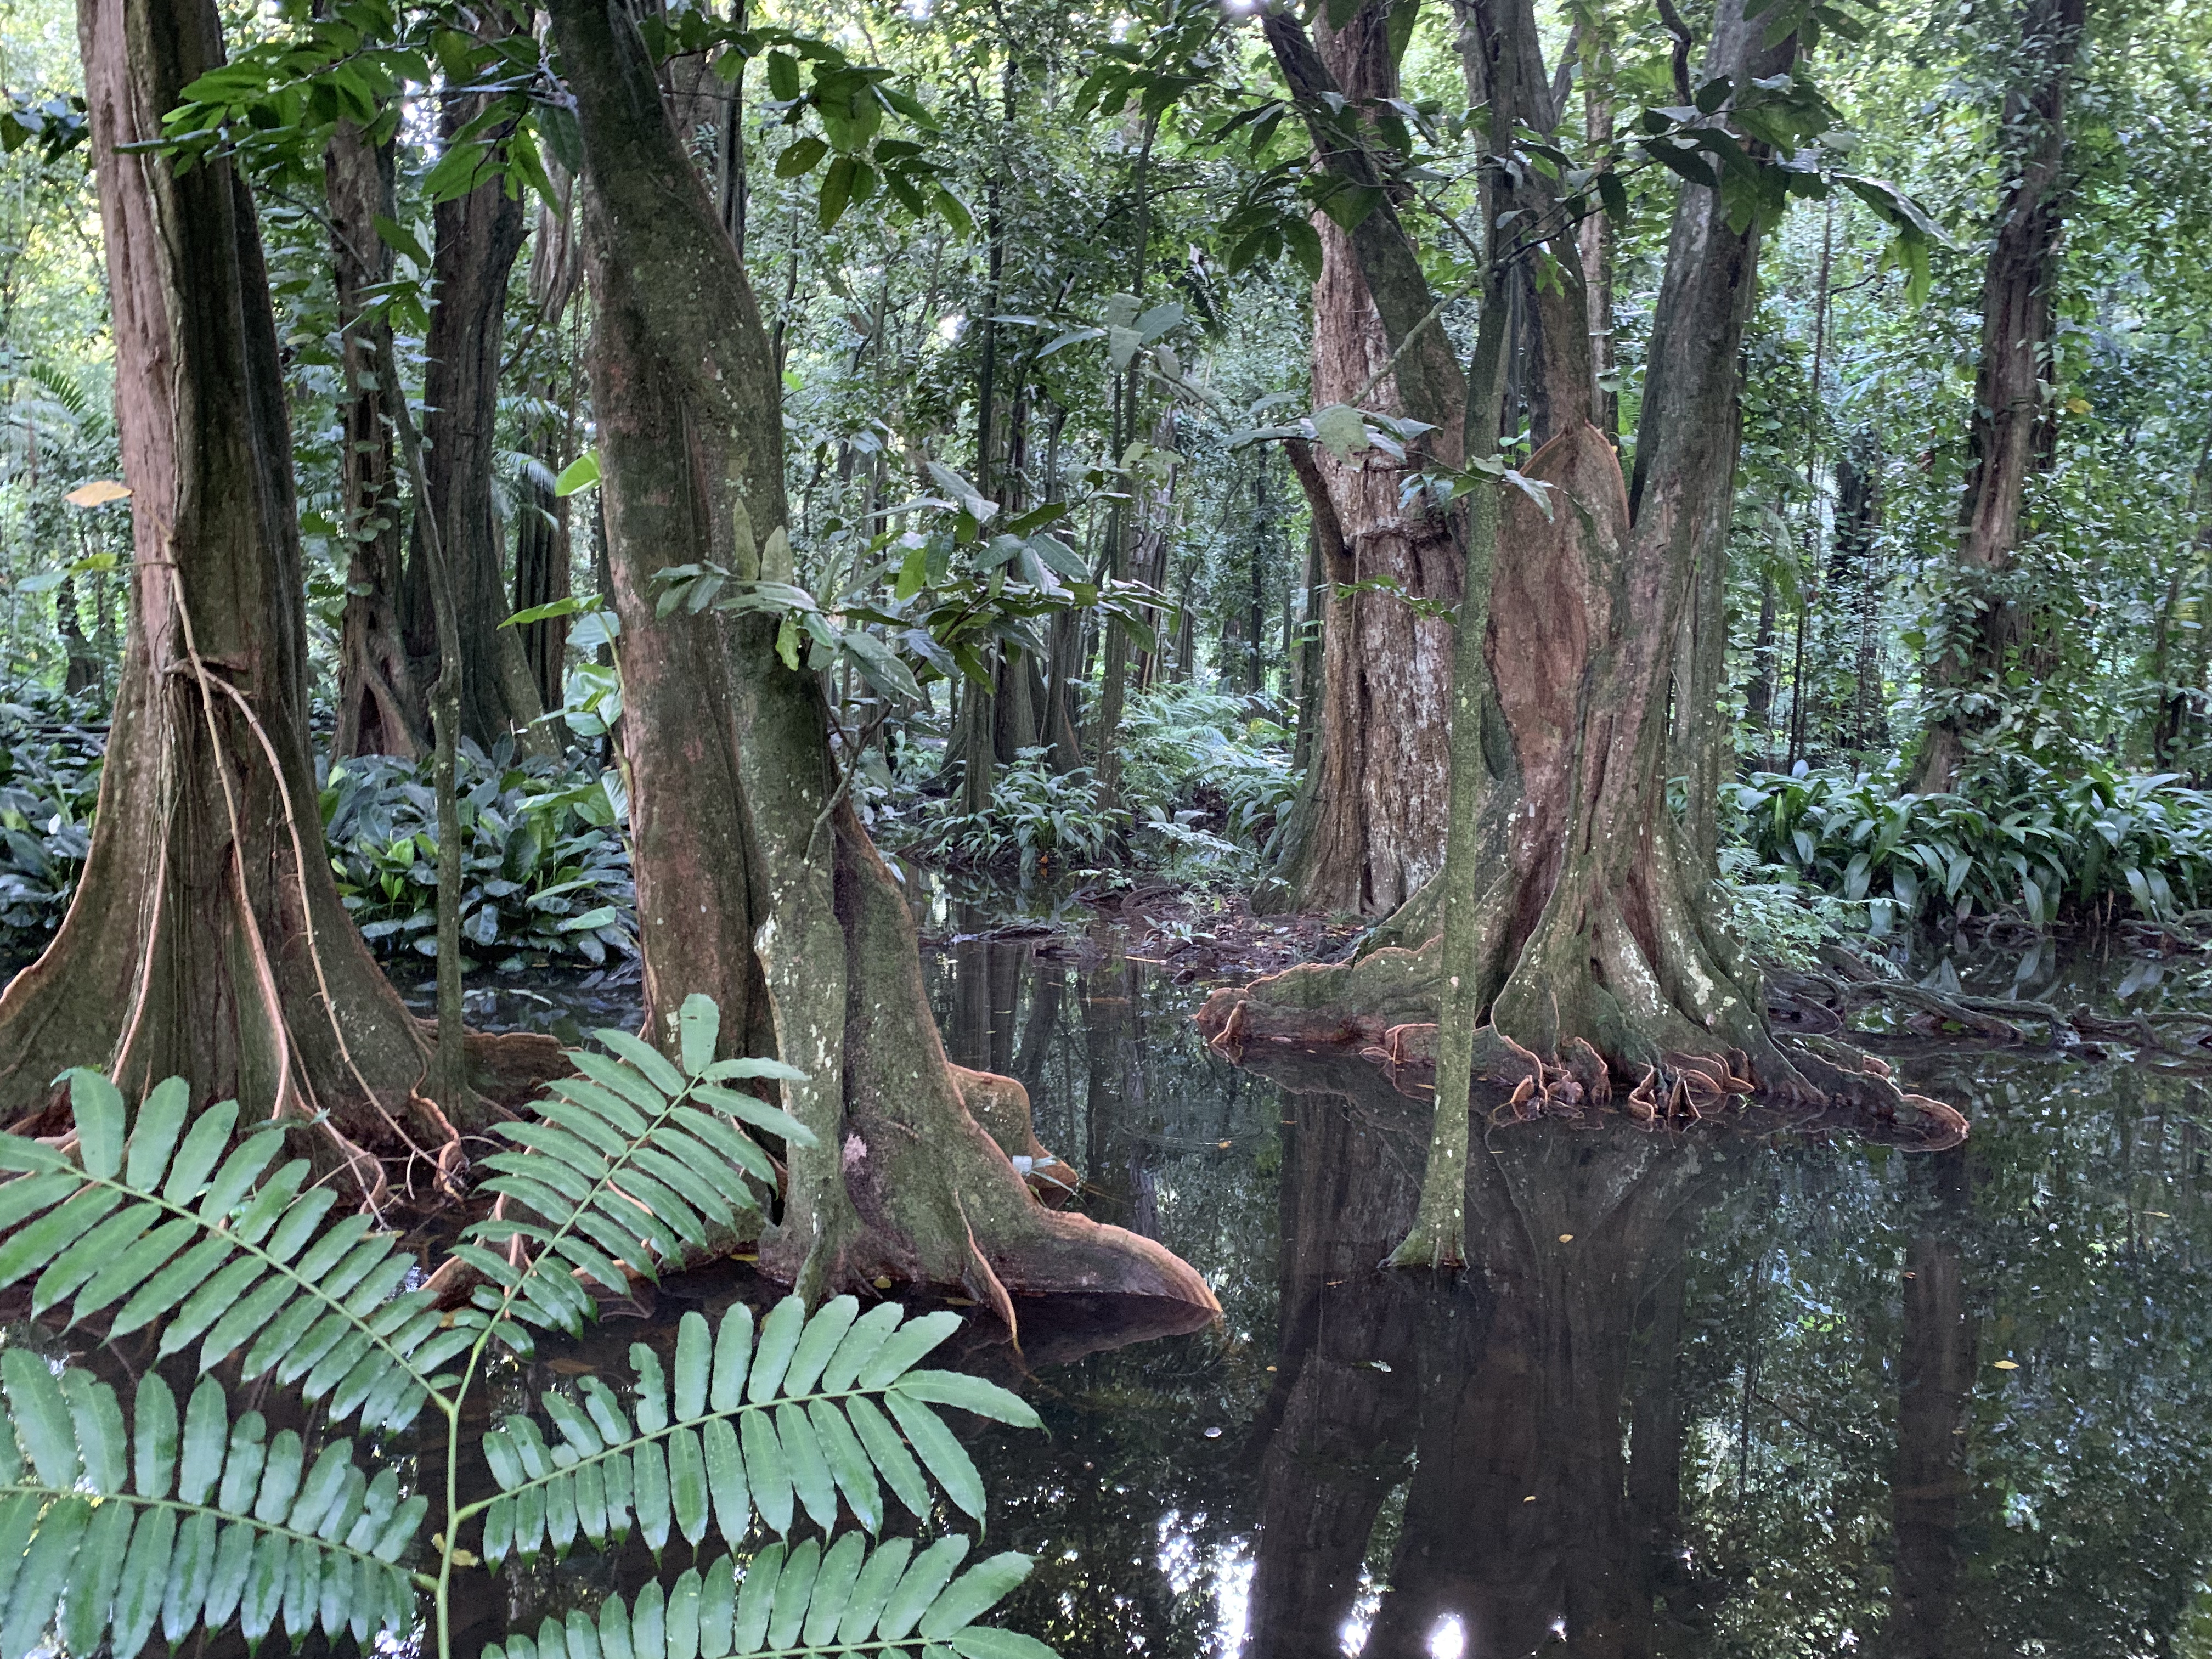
(984, 1642)
(766, 1471)
(41, 1417)
(699, 1028)
(974, 1594)
(923, 1582)
(154, 1137)
(779, 1339)
(907, 1347)
(579, 474)
(800, 156)
(971, 1394)
(940, 1453)
(99, 1110)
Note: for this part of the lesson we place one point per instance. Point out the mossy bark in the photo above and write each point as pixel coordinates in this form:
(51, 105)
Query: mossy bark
(1586, 948)
(803, 929)
(206, 939)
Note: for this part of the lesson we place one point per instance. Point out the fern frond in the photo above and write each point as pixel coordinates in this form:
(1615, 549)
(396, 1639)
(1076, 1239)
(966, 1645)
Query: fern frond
(805, 1602)
(772, 1426)
(632, 1164)
(176, 1225)
(107, 1533)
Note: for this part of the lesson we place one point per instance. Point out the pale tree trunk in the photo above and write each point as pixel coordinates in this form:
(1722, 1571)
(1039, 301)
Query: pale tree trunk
(1587, 950)
(206, 939)
(2011, 414)
(1368, 830)
(814, 941)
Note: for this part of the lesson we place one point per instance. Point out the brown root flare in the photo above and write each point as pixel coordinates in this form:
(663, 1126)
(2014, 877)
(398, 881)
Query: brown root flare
(930, 1196)
(1383, 1007)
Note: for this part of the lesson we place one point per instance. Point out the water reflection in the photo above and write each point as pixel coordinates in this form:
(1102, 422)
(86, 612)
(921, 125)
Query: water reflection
(1741, 1391)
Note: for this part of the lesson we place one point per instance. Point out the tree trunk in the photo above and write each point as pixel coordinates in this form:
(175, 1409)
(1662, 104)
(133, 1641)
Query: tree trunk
(1369, 831)
(2011, 388)
(478, 236)
(206, 939)
(381, 710)
(904, 1183)
(1597, 966)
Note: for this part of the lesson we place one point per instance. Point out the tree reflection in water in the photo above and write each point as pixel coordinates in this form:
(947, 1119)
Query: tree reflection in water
(1752, 1390)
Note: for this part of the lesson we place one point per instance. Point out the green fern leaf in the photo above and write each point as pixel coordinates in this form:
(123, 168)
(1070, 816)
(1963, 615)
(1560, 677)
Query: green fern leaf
(812, 1601)
(187, 1229)
(743, 1429)
(105, 1532)
(632, 1164)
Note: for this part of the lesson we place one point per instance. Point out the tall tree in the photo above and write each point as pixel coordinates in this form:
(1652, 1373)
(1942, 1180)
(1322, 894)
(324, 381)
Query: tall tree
(1583, 941)
(1368, 831)
(381, 710)
(741, 818)
(206, 939)
(2009, 429)
(478, 236)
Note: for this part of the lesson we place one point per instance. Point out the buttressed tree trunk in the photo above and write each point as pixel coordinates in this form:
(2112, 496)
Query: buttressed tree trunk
(381, 709)
(2012, 413)
(478, 236)
(1598, 968)
(756, 883)
(1370, 828)
(206, 939)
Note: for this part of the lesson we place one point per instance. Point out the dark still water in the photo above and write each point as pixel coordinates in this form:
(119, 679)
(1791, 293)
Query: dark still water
(1707, 1393)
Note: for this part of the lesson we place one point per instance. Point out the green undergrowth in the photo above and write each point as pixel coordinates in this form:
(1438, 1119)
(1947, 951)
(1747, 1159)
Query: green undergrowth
(2016, 837)
(547, 864)
(1205, 779)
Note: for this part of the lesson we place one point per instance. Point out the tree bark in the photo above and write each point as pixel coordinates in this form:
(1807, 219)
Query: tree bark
(1598, 968)
(206, 939)
(904, 1182)
(381, 710)
(1369, 830)
(478, 238)
(2012, 412)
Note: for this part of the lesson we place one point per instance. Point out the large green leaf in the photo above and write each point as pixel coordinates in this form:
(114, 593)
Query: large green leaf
(250, 1533)
(811, 1600)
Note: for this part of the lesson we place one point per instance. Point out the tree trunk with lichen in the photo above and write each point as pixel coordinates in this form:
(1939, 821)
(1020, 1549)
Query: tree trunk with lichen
(1590, 966)
(812, 940)
(1368, 829)
(206, 939)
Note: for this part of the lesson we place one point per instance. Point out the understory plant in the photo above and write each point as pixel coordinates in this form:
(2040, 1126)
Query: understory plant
(2017, 836)
(51, 749)
(546, 869)
(777, 1442)
(1205, 781)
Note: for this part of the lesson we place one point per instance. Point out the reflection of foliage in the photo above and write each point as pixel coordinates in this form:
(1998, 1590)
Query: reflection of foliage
(199, 1518)
(547, 872)
(2086, 1507)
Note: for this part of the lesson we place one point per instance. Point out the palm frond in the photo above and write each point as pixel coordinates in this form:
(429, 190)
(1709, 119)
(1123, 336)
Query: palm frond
(772, 1425)
(632, 1164)
(162, 1222)
(107, 1533)
(804, 1601)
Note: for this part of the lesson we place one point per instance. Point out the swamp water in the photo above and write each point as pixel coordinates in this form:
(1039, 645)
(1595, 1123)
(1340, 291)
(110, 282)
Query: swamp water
(1709, 1393)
